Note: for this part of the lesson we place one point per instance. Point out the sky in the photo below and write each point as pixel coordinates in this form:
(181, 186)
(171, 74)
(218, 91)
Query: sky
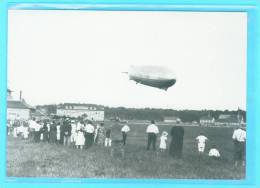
(57, 56)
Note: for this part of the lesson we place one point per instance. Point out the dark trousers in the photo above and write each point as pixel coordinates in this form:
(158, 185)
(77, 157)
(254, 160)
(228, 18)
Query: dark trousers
(151, 140)
(37, 136)
(89, 138)
(124, 137)
(239, 151)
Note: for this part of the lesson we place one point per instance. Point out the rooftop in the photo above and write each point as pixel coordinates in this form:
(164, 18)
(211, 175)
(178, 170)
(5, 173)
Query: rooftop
(18, 104)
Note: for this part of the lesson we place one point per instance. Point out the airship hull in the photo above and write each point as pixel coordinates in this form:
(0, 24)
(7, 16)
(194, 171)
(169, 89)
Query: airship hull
(157, 83)
(153, 76)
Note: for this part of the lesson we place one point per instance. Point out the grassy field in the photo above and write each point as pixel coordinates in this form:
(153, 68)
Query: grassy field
(28, 159)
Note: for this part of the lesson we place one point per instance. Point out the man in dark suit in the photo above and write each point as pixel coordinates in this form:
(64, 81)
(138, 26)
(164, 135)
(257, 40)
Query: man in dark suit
(176, 145)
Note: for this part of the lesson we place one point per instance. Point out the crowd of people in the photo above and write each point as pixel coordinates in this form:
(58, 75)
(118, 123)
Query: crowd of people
(75, 132)
(82, 134)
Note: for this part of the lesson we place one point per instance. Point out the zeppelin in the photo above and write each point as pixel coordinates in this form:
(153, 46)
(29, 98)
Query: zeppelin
(153, 76)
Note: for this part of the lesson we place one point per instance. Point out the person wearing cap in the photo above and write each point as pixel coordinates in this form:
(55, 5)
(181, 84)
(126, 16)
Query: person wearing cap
(163, 140)
(239, 139)
(125, 129)
(152, 131)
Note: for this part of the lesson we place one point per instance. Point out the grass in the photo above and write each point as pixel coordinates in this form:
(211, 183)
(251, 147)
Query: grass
(28, 159)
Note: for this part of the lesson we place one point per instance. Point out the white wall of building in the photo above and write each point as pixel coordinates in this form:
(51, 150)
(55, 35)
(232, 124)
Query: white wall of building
(17, 113)
(93, 115)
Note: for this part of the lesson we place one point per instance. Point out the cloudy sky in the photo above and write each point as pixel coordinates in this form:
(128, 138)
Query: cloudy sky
(78, 56)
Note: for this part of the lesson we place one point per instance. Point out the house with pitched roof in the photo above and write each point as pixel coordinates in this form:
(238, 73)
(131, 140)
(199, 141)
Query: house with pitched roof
(230, 120)
(17, 109)
(89, 111)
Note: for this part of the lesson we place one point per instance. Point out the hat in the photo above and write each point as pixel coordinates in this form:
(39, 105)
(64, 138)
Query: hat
(164, 133)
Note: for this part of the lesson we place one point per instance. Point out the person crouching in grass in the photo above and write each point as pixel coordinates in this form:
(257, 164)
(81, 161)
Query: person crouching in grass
(163, 140)
(214, 153)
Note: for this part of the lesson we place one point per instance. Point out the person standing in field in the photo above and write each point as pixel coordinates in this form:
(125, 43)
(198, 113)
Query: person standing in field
(96, 133)
(152, 131)
(101, 134)
(163, 139)
(108, 140)
(37, 131)
(58, 132)
(125, 129)
(176, 145)
(73, 132)
(53, 132)
(89, 130)
(201, 140)
(67, 132)
(80, 139)
(239, 139)
(45, 131)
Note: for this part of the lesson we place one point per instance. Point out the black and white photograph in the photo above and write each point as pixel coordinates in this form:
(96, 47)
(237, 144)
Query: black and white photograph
(126, 94)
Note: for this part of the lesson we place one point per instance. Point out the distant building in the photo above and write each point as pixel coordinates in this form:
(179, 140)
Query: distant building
(17, 109)
(38, 114)
(171, 119)
(91, 112)
(207, 121)
(230, 120)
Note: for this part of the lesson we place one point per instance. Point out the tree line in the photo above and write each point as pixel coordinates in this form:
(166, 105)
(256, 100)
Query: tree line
(154, 113)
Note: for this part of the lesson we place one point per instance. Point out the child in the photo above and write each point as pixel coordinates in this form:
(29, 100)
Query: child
(163, 140)
(214, 153)
(108, 139)
(73, 132)
(80, 139)
(201, 140)
(25, 132)
(58, 131)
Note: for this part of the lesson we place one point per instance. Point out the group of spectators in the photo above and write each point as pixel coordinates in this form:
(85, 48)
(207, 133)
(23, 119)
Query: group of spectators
(176, 144)
(76, 132)
(82, 134)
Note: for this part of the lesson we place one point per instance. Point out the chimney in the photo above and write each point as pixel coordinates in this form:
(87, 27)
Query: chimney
(20, 95)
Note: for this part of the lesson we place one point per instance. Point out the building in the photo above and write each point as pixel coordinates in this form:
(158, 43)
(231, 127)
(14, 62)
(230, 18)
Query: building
(207, 121)
(230, 120)
(17, 109)
(90, 111)
(171, 119)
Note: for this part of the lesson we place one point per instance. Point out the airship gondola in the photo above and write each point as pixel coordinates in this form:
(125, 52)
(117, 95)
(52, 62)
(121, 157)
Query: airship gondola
(153, 76)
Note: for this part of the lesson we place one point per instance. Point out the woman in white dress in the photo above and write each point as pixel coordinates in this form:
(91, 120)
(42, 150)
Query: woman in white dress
(163, 140)
(80, 139)
(58, 133)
